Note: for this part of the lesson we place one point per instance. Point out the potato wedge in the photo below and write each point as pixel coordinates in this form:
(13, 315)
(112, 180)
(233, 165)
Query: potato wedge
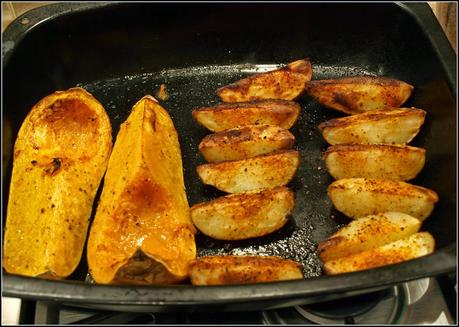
(397, 162)
(219, 270)
(368, 233)
(245, 142)
(284, 83)
(360, 197)
(224, 116)
(354, 95)
(244, 215)
(414, 246)
(261, 172)
(396, 126)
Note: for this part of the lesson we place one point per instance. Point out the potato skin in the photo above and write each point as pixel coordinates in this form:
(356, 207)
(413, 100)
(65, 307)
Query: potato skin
(395, 126)
(143, 209)
(224, 270)
(60, 155)
(397, 162)
(244, 215)
(261, 172)
(360, 197)
(224, 116)
(285, 83)
(354, 95)
(367, 233)
(245, 142)
(414, 246)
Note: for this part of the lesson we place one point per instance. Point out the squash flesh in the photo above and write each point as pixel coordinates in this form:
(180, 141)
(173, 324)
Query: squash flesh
(60, 156)
(143, 207)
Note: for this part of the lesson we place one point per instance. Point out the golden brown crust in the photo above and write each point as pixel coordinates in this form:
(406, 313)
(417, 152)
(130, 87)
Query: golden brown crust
(353, 95)
(245, 142)
(374, 115)
(264, 171)
(390, 148)
(389, 187)
(395, 126)
(390, 161)
(244, 215)
(359, 197)
(217, 270)
(284, 83)
(377, 80)
(266, 112)
(414, 246)
(367, 233)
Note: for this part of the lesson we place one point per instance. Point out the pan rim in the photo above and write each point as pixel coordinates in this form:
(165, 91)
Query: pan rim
(443, 262)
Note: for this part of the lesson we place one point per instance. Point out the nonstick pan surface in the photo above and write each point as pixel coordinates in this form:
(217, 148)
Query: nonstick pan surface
(191, 81)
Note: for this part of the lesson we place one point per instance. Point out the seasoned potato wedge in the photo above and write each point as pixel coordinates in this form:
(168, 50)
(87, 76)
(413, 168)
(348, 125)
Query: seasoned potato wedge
(60, 156)
(360, 197)
(218, 270)
(368, 233)
(266, 171)
(414, 246)
(224, 116)
(396, 126)
(245, 142)
(354, 95)
(244, 215)
(398, 162)
(284, 83)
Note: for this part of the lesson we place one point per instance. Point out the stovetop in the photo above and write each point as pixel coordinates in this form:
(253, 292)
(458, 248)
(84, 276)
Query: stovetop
(425, 301)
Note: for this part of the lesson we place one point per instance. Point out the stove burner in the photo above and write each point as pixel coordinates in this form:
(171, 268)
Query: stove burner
(417, 302)
(345, 308)
(381, 307)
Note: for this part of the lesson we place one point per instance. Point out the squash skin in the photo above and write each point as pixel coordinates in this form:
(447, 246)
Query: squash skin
(143, 207)
(60, 155)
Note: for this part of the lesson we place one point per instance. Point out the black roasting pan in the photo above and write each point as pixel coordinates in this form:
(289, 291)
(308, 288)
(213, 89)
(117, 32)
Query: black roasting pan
(122, 51)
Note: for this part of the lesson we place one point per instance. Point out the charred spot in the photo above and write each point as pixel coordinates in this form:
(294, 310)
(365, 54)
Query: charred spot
(56, 165)
(232, 133)
(33, 162)
(42, 210)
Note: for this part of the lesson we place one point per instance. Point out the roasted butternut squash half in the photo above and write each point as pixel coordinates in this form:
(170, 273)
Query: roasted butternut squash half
(60, 156)
(142, 232)
(354, 95)
(285, 83)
